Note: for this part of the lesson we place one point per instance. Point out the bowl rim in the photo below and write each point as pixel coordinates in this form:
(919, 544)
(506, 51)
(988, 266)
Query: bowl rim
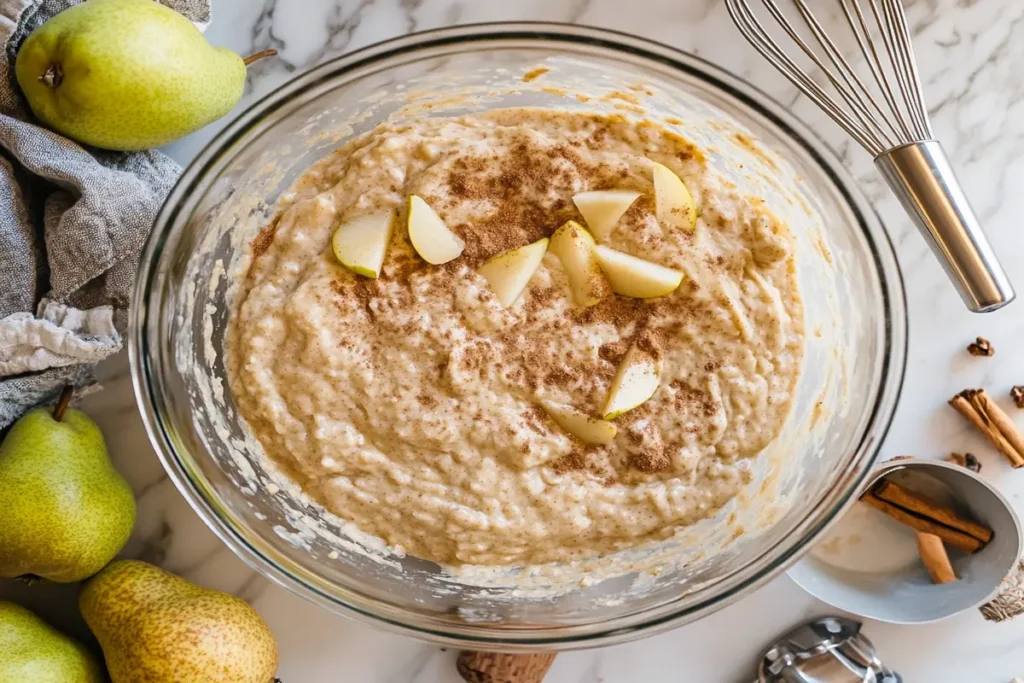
(151, 277)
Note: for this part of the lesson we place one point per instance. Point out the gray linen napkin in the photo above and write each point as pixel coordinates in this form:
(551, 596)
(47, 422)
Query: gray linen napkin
(72, 224)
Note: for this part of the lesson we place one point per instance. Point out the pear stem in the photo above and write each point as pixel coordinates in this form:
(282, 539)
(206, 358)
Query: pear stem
(62, 403)
(259, 55)
(53, 76)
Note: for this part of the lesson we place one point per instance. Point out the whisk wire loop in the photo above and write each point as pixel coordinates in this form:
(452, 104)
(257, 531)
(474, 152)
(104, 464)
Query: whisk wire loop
(757, 36)
(866, 43)
(886, 115)
(908, 67)
(855, 91)
(878, 123)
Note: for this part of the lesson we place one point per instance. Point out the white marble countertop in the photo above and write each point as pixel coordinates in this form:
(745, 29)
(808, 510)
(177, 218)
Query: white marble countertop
(970, 54)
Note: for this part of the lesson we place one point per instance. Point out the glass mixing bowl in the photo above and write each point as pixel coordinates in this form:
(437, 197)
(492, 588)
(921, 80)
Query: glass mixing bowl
(856, 323)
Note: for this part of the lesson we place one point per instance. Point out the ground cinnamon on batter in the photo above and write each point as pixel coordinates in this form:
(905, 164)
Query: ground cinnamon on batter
(410, 405)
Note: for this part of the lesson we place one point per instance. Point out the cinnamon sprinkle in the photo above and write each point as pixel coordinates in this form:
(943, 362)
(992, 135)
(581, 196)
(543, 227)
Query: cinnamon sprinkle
(619, 311)
(688, 397)
(540, 299)
(574, 462)
(264, 238)
(537, 419)
(651, 342)
(530, 172)
(650, 460)
(613, 351)
(560, 377)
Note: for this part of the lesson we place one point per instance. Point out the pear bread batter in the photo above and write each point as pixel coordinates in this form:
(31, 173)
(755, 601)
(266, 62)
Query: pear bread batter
(461, 430)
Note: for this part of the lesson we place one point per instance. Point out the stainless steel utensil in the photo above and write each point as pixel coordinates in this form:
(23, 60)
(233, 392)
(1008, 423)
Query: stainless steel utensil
(826, 650)
(886, 115)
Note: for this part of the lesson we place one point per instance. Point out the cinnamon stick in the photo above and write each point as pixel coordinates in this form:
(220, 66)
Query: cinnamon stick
(982, 412)
(930, 547)
(496, 667)
(957, 539)
(935, 558)
(924, 507)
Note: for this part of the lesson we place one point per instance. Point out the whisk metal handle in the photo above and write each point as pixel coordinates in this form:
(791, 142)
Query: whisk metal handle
(923, 179)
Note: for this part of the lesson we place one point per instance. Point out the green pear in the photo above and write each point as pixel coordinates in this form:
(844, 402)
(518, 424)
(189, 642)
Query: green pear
(34, 652)
(127, 74)
(64, 510)
(155, 627)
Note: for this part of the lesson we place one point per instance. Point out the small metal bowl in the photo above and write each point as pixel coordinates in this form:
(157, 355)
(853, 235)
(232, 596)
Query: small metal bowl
(867, 564)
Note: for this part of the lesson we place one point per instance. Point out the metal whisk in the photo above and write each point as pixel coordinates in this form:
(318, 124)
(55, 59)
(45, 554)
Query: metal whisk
(886, 115)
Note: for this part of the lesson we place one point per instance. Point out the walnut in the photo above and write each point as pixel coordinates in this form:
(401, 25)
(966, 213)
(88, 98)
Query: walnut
(981, 347)
(1017, 394)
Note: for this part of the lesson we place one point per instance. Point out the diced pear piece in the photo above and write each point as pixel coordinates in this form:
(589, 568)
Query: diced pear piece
(508, 273)
(632, 276)
(430, 237)
(673, 202)
(574, 247)
(635, 381)
(584, 427)
(361, 243)
(603, 209)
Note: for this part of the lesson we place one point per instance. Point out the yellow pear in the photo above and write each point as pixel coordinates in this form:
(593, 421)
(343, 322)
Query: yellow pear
(155, 627)
(574, 247)
(361, 243)
(65, 512)
(673, 202)
(602, 209)
(32, 651)
(430, 237)
(635, 381)
(635, 277)
(584, 427)
(509, 273)
(127, 74)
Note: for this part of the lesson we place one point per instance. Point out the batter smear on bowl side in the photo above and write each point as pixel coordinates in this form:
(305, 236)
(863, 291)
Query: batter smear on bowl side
(419, 407)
